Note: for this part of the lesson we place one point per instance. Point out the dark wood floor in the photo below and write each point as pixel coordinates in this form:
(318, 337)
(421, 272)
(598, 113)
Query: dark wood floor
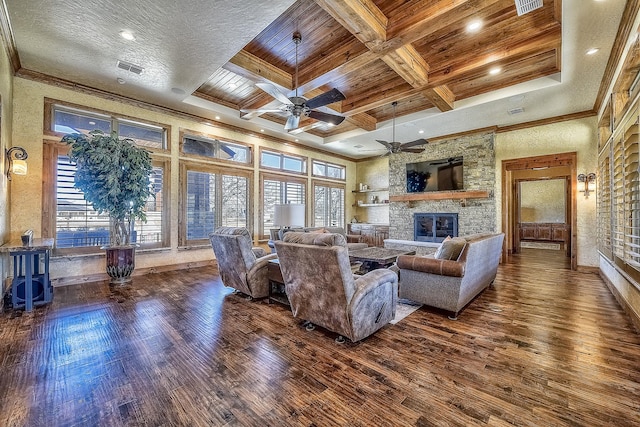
(544, 347)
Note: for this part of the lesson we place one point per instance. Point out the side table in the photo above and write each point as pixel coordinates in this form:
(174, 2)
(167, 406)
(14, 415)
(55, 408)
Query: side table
(276, 283)
(30, 286)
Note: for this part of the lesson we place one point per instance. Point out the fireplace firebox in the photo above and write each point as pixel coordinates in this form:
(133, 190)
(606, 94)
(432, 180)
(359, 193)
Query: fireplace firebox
(434, 227)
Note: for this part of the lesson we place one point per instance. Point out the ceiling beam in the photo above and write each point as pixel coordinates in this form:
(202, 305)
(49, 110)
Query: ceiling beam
(363, 121)
(440, 96)
(361, 17)
(253, 68)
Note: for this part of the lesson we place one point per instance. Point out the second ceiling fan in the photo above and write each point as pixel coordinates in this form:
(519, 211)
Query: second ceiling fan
(297, 106)
(397, 147)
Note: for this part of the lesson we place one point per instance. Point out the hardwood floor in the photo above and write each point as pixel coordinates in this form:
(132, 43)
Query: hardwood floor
(544, 347)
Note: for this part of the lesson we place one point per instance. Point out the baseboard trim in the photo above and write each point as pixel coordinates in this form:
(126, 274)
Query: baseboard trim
(101, 277)
(635, 318)
(588, 269)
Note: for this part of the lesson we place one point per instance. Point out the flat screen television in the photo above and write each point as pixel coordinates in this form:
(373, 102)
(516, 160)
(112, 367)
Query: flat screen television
(435, 175)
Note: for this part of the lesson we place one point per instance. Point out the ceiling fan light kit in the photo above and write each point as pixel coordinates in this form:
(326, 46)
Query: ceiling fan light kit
(298, 106)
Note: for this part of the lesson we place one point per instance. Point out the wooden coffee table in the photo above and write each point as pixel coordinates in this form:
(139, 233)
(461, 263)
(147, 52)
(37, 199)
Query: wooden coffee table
(373, 258)
(276, 282)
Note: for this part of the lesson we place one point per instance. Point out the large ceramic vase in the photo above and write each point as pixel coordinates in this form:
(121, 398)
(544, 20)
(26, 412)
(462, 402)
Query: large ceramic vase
(121, 260)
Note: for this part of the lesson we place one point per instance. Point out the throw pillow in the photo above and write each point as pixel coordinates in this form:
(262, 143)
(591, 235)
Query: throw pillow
(439, 250)
(451, 249)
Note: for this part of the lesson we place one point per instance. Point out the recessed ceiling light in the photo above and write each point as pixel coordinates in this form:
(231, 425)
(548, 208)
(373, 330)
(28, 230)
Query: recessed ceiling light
(261, 130)
(92, 123)
(297, 140)
(217, 117)
(495, 70)
(233, 85)
(120, 80)
(474, 26)
(593, 51)
(127, 35)
(420, 131)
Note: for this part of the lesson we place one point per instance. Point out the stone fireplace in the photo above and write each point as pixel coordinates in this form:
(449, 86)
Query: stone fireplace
(434, 227)
(473, 214)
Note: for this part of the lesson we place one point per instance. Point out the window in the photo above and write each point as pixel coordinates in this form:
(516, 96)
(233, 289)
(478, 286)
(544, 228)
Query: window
(215, 149)
(604, 204)
(283, 162)
(76, 226)
(328, 170)
(66, 120)
(213, 198)
(328, 206)
(279, 190)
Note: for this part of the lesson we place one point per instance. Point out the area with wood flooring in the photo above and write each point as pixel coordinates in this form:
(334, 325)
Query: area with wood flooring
(544, 346)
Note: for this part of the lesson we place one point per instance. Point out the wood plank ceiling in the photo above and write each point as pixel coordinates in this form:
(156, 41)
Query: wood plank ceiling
(416, 52)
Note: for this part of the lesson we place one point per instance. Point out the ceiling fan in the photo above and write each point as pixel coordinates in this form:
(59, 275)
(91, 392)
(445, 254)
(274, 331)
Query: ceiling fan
(297, 106)
(397, 147)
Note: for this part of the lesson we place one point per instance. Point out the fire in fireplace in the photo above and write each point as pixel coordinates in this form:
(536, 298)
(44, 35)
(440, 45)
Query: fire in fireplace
(434, 227)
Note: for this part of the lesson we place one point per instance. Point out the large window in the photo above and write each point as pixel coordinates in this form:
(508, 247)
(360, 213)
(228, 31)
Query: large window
(279, 190)
(73, 222)
(213, 198)
(328, 205)
(65, 120)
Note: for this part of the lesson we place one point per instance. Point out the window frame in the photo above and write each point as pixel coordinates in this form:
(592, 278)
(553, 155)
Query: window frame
(317, 183)
(185, 167)
(50, 105)
(326, 165)
(184, 133)
(283, 155)
(51, 151)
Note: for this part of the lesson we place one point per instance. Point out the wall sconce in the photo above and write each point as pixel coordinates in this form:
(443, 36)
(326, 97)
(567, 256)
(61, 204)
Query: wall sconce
(584, 181)
(15, 161)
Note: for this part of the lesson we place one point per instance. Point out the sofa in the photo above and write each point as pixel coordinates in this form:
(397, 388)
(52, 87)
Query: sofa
(323, 291)
(449, 280)
(241, 266)
(353, 241)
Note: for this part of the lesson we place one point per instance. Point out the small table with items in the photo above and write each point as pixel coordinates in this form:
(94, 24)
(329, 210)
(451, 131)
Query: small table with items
(30, 286)
(276, 282)
(373, 258)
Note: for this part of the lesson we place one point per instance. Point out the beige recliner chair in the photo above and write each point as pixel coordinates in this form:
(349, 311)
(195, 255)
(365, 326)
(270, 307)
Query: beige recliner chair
(241, 267)
(323, 291)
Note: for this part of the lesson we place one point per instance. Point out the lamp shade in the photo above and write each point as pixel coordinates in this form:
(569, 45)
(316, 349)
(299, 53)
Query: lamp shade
(289, 215)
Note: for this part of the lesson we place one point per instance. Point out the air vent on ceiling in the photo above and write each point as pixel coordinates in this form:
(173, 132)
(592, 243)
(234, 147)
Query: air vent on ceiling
(516, 110)
(526, 6)
(127, 66)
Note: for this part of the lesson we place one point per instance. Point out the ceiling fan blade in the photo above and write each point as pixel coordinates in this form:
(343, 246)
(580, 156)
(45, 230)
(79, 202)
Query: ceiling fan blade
(326, 117)
(334, 95)
(292, 122)
(273, 91)
(385, 143)
(414, 143)
(412, 150)
(261, 110)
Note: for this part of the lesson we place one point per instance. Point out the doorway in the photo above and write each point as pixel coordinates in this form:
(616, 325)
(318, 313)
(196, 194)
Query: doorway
(538, 208)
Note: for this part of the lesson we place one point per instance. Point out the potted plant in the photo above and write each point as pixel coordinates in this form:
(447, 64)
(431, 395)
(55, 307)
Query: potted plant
(113, 173)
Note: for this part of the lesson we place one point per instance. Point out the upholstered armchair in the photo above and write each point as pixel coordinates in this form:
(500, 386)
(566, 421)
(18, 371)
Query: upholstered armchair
(241, 267)
(322, 290)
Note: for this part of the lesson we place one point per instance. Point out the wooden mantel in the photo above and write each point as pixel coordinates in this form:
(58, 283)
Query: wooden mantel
(440, 195)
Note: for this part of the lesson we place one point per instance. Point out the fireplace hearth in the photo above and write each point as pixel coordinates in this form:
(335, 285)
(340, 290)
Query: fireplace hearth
(434, 227)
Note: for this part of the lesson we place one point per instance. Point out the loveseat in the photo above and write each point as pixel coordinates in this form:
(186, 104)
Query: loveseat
(447, 280)
(354, 241)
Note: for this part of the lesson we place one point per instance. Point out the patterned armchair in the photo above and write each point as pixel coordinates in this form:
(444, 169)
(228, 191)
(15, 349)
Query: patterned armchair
(241, 267)
(323, 291)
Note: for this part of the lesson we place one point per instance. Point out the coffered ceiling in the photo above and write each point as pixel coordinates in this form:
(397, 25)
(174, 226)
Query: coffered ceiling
(205, 58)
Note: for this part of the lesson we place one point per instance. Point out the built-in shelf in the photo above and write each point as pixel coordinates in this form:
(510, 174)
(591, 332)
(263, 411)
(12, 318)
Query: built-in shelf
(370, 190)
(440, 195)
(369, 205)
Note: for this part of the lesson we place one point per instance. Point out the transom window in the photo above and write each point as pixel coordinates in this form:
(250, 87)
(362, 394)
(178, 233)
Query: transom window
(328, 170)
(283, 162)
(67, 120)
(215, 149)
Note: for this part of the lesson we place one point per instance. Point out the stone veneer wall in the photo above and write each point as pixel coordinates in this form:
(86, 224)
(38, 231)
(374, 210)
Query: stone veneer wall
(477, 215)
